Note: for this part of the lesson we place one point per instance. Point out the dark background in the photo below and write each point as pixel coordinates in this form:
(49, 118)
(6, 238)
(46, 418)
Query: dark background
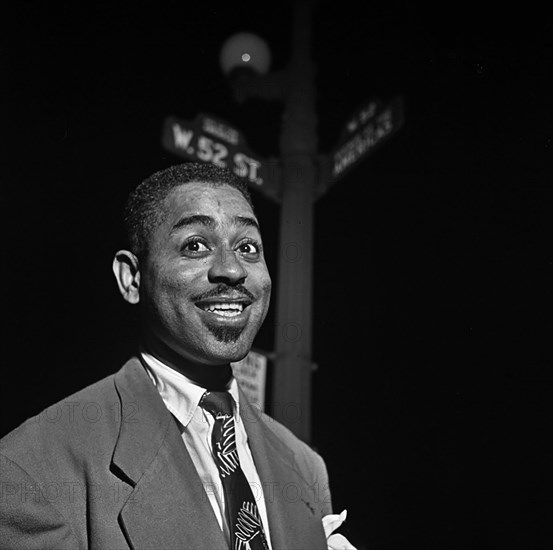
(432, 288)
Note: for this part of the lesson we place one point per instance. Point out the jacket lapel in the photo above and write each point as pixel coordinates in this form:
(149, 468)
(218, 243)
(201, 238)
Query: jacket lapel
(290, 499)
(168, 507)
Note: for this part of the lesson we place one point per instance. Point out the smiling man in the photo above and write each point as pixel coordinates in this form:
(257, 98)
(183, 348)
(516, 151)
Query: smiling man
(167, 453)
(196, 266)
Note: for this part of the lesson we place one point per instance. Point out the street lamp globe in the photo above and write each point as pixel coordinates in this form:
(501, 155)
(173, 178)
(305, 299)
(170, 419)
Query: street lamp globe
(245, 51)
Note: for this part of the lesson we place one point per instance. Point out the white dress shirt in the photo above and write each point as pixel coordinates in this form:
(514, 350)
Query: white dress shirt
(182, 396)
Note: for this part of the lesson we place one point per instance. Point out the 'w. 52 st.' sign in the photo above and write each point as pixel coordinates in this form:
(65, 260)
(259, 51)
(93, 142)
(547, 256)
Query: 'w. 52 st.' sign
(208, 139)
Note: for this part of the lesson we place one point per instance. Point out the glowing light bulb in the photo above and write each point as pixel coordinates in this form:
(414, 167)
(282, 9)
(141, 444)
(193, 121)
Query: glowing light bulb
(245, 49)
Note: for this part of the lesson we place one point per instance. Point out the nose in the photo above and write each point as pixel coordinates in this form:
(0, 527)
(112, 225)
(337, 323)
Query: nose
(227, 267)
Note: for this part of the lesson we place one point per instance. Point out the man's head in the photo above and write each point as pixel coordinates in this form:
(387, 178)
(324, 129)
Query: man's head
(195, 264)
(144, 208)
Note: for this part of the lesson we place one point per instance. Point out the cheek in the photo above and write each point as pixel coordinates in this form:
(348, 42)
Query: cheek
(174, 278)
(260, 274)
(266, 285)
(164, 291)
(266, 293)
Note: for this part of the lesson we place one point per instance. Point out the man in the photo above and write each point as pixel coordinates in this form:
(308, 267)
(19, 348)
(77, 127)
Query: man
(135, 460)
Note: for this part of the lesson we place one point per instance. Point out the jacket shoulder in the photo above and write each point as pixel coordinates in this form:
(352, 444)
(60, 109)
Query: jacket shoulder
(88, 404)
(83, 422)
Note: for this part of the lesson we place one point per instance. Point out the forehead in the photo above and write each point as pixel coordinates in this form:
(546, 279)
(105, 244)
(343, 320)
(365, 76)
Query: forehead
(221, 202)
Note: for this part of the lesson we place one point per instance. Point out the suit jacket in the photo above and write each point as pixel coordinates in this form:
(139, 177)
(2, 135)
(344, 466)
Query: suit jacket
(106, 468)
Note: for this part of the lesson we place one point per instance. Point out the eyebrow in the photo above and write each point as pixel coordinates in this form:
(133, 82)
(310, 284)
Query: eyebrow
(247, 221)
(208, 221)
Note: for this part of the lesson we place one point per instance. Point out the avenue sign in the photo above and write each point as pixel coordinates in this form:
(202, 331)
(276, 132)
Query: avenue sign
(208, 139)
(368, 127)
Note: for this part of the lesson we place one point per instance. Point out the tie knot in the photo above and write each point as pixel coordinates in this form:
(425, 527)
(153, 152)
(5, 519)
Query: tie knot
(217, 402)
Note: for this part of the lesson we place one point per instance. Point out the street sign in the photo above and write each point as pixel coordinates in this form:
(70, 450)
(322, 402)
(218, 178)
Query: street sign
(367, 128)
(209, 139)
(251, 373)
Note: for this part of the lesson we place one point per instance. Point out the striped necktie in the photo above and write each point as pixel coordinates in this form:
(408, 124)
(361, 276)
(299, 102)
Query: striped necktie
(244, 520)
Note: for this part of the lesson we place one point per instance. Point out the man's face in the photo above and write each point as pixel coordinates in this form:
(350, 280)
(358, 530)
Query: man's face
(204, 285)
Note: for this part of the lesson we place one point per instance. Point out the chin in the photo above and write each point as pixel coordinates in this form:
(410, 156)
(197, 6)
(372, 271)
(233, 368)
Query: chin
(229, 344)
(229, 352)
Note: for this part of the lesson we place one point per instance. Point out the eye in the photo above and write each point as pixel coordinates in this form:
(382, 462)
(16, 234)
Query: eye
(195, 246)
(249, 248)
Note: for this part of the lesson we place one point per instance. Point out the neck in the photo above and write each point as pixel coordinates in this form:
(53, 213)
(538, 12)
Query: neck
(211, 377)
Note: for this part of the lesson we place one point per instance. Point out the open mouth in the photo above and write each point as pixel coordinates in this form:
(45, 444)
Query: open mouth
(224, 307)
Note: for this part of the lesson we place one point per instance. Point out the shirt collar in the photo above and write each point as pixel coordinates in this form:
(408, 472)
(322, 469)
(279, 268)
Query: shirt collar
(180, 394)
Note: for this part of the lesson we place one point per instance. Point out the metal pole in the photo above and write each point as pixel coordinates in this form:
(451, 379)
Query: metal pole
(298, 148)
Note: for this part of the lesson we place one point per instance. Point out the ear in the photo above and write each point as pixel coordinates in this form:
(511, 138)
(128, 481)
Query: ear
(127, 273)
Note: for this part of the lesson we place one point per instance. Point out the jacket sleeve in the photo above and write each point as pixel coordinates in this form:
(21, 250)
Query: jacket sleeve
(28, 520)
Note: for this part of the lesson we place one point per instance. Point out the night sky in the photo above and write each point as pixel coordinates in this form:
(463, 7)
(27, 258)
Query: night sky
(433, 265)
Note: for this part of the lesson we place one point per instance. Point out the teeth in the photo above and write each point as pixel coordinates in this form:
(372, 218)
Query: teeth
(226, 310)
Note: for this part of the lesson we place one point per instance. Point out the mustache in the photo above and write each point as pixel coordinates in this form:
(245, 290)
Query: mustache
(223, 289)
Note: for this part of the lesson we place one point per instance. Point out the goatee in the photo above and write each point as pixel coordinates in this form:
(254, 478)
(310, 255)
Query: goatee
(226, 335)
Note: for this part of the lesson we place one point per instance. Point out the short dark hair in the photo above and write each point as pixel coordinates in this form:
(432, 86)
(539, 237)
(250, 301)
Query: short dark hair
(144, 206)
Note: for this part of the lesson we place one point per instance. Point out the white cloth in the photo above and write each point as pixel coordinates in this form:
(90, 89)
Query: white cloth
(336, 541)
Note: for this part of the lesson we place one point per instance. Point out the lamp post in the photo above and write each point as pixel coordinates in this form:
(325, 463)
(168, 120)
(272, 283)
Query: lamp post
(245, 58)
(295, 180)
